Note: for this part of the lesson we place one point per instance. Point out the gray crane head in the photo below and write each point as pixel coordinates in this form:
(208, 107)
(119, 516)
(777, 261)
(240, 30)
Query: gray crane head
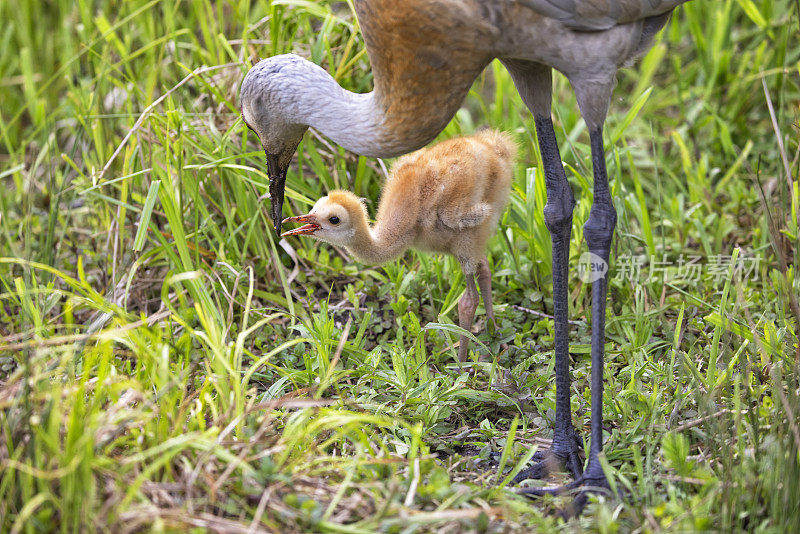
(269, 103)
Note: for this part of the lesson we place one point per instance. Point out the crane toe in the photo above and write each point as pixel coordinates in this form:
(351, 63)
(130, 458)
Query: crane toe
(550, 461)
(582, 487)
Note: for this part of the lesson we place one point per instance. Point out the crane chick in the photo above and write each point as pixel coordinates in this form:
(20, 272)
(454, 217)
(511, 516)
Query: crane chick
(445, 198)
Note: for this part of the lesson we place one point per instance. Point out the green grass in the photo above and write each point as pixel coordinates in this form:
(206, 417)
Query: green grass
(165, 364)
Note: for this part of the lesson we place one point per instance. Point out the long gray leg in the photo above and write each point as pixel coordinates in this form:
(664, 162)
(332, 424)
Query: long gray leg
(599, 230)
(534, 83)
(593, 99)
(466, 308)
(558, 217)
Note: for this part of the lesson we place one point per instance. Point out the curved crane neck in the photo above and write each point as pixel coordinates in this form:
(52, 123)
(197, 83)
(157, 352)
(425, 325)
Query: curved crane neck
(350, 120)
(370, 124)
(283, 95)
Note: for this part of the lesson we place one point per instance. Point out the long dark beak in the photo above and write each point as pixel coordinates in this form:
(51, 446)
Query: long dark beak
(306, 229)
(277, 185)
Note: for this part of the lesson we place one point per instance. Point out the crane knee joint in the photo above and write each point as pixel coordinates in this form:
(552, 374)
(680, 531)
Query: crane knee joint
(599, 229)
(558, 215)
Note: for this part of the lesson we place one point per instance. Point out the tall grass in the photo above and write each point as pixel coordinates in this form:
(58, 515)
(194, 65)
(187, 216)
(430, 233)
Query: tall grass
(167, 364)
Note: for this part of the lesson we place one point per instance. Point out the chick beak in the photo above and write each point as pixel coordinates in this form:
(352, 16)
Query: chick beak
(306, 229)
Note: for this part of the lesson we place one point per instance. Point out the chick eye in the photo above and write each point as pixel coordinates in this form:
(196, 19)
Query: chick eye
(334, 220)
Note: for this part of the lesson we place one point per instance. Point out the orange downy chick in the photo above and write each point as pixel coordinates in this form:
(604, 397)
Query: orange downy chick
(446, 198)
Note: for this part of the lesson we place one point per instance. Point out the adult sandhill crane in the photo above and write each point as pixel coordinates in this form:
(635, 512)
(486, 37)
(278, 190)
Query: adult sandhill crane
(445, 198)
(425, 54)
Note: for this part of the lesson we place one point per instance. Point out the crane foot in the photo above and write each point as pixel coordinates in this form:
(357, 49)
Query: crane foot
(582, 487)
(564, 456)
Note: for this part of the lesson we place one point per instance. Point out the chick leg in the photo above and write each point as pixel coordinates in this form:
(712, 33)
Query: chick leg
(466, 309)
(485, 284)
